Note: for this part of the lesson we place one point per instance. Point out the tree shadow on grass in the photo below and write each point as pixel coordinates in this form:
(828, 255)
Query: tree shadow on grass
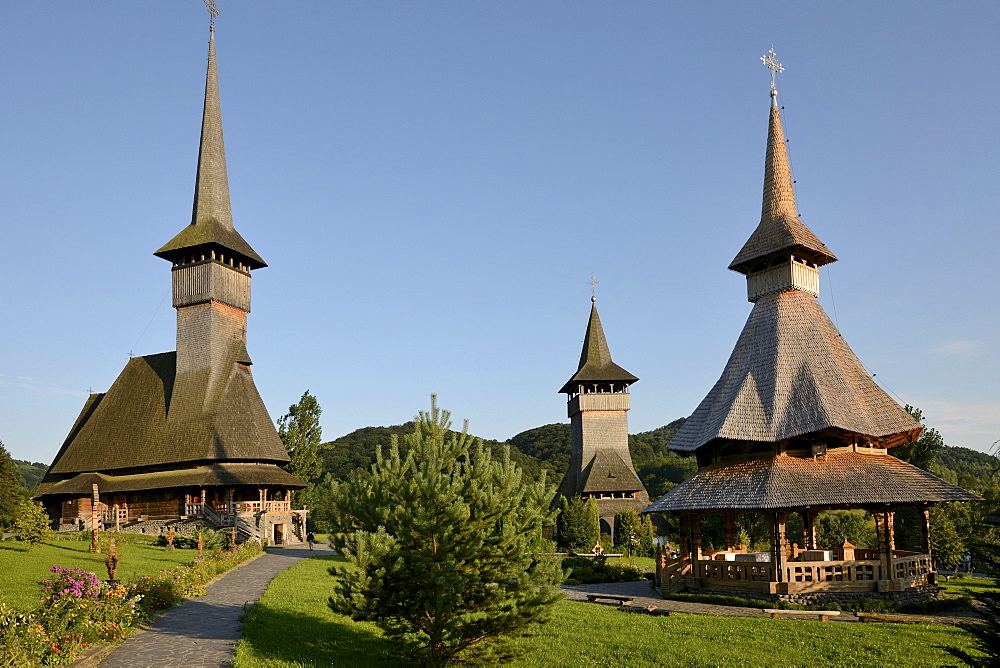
(271, 636)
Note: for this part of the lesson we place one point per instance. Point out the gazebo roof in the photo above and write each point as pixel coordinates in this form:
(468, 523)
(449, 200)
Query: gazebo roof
(841, 480)
(792, 373)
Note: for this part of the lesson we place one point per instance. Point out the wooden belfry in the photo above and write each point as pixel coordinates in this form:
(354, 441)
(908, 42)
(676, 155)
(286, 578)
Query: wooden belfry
(796, 425)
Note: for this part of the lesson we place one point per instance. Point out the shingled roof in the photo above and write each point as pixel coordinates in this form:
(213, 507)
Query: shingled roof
(151, 418)
(212, 216)
(792, 373)
(607, 472)
(780, 229)
(835, 480)
(595, 359)
(213, 475)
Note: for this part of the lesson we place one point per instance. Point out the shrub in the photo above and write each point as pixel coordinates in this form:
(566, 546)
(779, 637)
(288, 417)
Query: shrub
(584, 570)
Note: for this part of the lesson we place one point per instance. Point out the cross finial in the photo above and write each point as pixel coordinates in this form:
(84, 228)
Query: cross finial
(593, 283)
(770, 60)
(213, 12)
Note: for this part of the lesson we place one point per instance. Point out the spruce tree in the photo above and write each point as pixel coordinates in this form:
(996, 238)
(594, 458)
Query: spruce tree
(11, 492)
(441, 544)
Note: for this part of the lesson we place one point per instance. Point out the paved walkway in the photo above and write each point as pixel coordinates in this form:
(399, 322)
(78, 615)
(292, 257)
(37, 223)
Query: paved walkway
(644, 595)
(203, 631)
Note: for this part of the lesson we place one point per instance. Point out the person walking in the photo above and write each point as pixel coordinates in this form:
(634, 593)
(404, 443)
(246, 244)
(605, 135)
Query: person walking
(310, 538)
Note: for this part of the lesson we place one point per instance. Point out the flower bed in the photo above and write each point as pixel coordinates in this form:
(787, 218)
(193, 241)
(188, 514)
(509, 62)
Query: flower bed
(77, 611)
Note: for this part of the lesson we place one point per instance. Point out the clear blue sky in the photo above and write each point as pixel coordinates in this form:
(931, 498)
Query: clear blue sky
(433, 183)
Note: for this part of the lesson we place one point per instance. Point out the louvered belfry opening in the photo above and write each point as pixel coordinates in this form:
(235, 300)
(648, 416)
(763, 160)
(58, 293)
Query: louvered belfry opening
(795, 426)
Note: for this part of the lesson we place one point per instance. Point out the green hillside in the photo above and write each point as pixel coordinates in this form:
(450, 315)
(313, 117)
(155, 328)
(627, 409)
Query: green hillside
(31, 472)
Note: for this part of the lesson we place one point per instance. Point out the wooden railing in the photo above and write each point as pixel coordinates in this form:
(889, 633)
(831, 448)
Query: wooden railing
(918, 566)
(734, 571)
(833, 571)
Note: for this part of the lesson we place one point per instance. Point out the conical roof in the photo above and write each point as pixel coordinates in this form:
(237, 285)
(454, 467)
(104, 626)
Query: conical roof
(780, 229)
(595, 359)
(792, 373)
(212, 216)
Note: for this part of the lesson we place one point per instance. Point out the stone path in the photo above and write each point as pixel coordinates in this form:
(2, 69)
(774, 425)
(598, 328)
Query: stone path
(203, 631)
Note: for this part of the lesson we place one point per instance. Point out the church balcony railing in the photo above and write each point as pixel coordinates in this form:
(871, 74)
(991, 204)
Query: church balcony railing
(277, 506)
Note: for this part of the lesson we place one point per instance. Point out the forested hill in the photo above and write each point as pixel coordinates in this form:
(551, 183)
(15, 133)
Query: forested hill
(31, 472)
(542, 448)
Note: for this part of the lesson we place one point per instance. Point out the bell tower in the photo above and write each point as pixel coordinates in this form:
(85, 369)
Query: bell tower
(211, 261)
(598, 401)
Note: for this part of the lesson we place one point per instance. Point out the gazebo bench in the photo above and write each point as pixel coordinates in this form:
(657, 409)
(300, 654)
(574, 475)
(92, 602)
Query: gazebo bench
(824, 615)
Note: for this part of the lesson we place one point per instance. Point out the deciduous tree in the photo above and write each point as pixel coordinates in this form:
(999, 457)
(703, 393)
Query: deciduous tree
(440, 543)
(301, 435)
(32, 524)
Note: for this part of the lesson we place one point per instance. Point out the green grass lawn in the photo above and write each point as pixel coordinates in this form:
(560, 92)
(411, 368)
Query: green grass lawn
(966, 585)
(23, 571)
(292, 626)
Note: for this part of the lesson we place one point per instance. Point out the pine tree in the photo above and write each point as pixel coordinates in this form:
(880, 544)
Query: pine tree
(10, 488)
(301, 434)
(441, 546)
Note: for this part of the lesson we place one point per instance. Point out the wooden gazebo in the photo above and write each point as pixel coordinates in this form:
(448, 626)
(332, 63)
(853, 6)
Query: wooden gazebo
(796, 425)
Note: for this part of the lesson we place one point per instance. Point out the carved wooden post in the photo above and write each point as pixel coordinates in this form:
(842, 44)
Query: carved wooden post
(779, 545)
(95, 546)
(808, 529)
(232, 539)
(200, 543)
(883, 528)
(925, 529)
(696, 537)
(657, 581)
(111, 563)
(729, 531)
(170, 538)
(682, 544)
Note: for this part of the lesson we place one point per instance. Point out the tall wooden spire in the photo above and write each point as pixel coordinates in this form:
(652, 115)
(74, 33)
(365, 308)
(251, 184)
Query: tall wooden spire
(780, 231)
(596, 366)
(211, 225)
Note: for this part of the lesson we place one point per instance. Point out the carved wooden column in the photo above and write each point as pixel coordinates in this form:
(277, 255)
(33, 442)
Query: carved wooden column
(925, 529)
(779, 545)
(95, 499)
(682, 543)
(886, 541)
(729, 531)
(696, 536)
(808, 529)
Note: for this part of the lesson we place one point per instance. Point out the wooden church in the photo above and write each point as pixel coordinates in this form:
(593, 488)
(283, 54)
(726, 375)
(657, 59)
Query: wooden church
(600, 466)
(185, 434)
(796, 425)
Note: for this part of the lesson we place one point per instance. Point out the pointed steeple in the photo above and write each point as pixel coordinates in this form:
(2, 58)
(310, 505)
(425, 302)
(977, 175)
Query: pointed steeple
(212, 216)
(780, 231)
(211, 191)
(595, 359)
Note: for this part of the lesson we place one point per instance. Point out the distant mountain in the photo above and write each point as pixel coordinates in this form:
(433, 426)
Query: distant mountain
(31, 472)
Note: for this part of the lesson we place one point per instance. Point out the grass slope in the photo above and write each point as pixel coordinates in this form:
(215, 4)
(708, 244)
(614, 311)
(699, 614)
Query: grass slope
(23, 571)
(292, 626)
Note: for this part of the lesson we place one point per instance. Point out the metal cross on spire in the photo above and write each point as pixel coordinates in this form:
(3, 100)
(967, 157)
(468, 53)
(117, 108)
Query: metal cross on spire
(770, 60)
(213, 12)
(593, 283)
